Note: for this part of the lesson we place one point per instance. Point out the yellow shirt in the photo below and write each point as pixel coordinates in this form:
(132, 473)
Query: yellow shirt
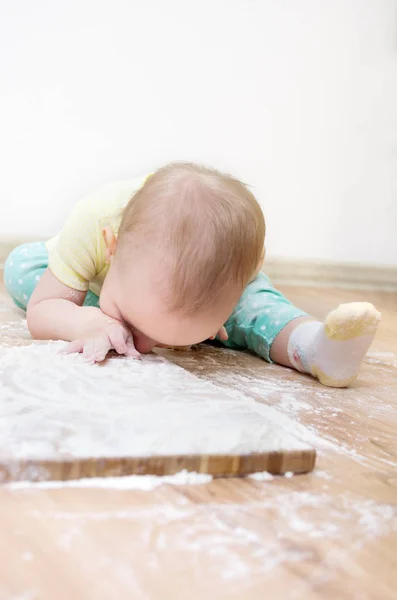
(77, 255)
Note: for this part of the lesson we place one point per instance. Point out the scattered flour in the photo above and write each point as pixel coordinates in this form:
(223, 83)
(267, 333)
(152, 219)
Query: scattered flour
(262, 476)
(323, 474)
(15, 330)
(291, 404)
(382, 358)
(132, 482)
(322, 412)
(225, 539)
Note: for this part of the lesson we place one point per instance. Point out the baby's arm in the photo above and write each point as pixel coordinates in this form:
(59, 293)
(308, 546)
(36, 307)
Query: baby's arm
(267, 323)
(55, 312)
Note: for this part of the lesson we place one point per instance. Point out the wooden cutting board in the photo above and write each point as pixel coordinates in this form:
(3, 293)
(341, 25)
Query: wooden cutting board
(61, 418)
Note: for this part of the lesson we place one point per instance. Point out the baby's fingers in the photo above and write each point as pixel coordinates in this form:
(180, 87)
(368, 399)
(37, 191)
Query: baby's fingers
(96, 349)
(117, 336)
(222, 334)
(131, 350)
(72, 347)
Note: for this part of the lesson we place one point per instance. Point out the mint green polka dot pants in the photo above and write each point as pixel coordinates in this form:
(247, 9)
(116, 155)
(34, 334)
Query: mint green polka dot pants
(261, 313)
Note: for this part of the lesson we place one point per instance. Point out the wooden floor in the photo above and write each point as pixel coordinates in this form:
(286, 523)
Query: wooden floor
(330, 534)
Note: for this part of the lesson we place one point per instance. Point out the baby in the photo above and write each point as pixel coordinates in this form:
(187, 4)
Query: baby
(174, 259)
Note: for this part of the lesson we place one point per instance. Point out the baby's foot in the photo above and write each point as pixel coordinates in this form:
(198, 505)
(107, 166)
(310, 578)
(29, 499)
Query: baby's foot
(333, 351)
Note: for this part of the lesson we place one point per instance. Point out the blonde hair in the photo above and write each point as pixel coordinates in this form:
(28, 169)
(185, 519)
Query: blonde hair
(208, 227)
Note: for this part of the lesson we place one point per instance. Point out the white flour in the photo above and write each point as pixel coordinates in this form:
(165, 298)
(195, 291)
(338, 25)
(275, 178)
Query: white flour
(132, 482)
(233, 543)
(54, 405)
(262, 476)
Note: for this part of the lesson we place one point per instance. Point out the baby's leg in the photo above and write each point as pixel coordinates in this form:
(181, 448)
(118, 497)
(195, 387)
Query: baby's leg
(23, 270)
(267, 323)
(331, 351)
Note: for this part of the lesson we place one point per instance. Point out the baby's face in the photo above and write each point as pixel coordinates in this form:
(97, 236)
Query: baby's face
(134, 301)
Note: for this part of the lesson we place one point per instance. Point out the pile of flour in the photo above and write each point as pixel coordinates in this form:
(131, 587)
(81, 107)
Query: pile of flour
(55, 406)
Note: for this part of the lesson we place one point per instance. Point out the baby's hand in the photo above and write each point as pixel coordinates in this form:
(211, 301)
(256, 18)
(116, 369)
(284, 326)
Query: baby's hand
(221, 334)
(111, 335)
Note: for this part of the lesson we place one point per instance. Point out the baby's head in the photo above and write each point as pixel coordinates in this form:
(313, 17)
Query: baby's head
(189, 242)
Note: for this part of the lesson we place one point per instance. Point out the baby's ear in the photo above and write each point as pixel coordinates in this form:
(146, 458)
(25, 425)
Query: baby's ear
(110, 243)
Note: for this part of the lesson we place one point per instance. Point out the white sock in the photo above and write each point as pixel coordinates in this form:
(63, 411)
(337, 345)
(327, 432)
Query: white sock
(333, 351)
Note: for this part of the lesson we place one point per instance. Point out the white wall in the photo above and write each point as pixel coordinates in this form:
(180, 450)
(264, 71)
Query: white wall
(296, 97)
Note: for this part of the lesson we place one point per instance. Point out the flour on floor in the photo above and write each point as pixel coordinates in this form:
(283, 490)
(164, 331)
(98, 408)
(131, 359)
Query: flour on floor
(56, 406)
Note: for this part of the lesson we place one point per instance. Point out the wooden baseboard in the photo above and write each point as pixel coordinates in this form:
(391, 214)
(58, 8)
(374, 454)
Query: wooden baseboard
(307, 272)
(331, 274)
